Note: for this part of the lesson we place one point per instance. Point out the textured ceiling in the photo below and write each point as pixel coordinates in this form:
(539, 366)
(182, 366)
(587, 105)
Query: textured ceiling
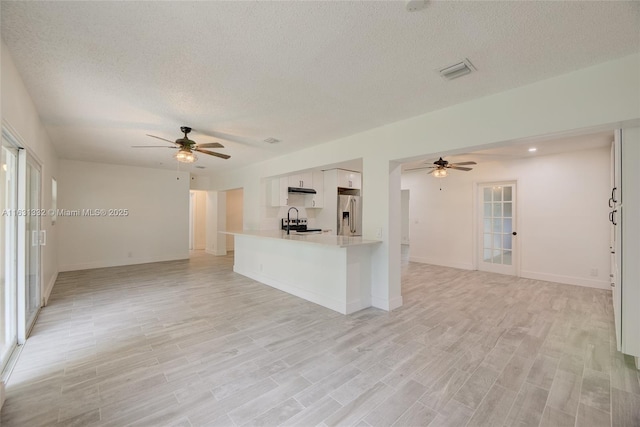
(103, 74)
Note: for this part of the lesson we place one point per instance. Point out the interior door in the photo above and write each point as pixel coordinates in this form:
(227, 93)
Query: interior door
(497, 237)
(8, 251)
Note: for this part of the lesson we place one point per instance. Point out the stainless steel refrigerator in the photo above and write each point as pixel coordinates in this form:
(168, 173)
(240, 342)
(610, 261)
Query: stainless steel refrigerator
(349, 215)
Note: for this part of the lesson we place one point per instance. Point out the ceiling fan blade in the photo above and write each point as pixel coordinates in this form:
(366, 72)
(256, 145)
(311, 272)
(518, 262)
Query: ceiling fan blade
(460, 168)
(420, 168)
(213, 153)
(157, 137)
(152, 146)
(210, 145)
(463, 163)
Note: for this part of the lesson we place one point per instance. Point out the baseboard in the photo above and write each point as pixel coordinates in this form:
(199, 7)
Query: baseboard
(567, 280)
(122, 262)
(1, 394)
(212, 252)
(49, 288)
(354, 306)
(443, 263)
(322, 300)
(386, 304)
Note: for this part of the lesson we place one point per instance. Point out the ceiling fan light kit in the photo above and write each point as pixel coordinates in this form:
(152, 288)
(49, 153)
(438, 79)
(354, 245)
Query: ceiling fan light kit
(185, 156)
(440, 173)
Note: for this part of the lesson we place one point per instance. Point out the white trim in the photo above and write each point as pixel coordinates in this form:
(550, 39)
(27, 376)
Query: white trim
(567, 280)
(316, 298)
(386, 304)
(355, 306)
(49, 288)
(1, 393)
(121, 262)
(443, 263)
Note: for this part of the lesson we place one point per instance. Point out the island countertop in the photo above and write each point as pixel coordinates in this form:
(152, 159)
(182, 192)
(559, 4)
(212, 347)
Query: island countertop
(316, 239)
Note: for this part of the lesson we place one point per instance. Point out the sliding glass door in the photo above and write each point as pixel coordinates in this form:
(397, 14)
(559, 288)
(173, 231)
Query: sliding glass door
(8, 251)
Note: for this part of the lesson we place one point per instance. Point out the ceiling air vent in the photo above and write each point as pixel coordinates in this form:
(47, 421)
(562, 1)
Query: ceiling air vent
(199, 167)
(271, 140)
(457, 70)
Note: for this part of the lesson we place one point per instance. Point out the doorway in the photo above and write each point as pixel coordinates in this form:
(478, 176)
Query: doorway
(235, 219)
(497, 228)
(197, 220)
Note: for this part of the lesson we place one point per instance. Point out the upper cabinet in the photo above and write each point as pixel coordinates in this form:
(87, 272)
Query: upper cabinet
(349, 179)
(278, 190)
(316, 200)
(301, 180)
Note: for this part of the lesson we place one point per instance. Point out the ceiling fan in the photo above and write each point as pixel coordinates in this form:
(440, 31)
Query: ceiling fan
(186, 147)
(441, 166)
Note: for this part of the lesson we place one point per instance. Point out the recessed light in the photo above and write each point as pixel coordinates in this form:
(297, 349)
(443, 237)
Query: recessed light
(532, 149)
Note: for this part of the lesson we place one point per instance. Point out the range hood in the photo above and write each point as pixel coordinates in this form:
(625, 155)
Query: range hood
(299, 190)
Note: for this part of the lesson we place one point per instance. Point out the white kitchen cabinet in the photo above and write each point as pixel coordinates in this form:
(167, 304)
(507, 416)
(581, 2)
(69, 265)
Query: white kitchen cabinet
(279, 192)
(316, 200)
(349, 179)
(301, 180)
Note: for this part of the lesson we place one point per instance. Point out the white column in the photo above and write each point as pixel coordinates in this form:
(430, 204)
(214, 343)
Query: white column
(381, 221)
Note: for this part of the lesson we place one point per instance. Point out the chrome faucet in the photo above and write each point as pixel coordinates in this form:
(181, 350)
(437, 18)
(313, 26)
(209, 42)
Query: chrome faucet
(289, 220)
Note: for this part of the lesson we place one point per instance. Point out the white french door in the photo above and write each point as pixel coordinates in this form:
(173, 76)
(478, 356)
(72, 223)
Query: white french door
(8, 251)
(497, 228)
(29, 300)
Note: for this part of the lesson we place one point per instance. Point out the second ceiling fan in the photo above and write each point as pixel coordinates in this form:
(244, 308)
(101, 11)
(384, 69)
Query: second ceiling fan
(186, 147)
(441, 166)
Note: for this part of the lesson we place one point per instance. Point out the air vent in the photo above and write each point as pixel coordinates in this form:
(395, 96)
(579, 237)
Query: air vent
(271, 140)
(199, 167)
(457, 70)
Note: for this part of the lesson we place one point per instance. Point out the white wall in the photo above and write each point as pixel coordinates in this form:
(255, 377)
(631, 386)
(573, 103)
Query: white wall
(562, 223)
(234, 214)
(20, 117)
(199, 218)
(601, 96)
(404, 216)
(156, 228)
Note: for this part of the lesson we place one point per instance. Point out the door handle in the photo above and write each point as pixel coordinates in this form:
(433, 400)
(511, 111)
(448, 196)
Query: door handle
(612, 217)
(610, 202)
(43, 238)
(514, 233)
(34, 238)
(613, 195)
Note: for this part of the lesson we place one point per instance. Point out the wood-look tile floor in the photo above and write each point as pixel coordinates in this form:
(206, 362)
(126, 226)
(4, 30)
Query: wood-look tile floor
(192, 343)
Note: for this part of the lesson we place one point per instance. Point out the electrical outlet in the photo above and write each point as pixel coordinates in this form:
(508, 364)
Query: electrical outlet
(594, 272)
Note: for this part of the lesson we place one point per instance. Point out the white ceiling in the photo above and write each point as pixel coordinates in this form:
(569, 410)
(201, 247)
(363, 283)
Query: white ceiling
(103, 74)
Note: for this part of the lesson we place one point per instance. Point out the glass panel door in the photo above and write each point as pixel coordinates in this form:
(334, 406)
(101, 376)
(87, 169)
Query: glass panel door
(8, 251)
(497, 223)
(32, 243)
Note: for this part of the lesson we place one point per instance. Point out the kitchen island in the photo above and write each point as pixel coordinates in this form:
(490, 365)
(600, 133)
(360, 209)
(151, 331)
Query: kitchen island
(332, 271)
